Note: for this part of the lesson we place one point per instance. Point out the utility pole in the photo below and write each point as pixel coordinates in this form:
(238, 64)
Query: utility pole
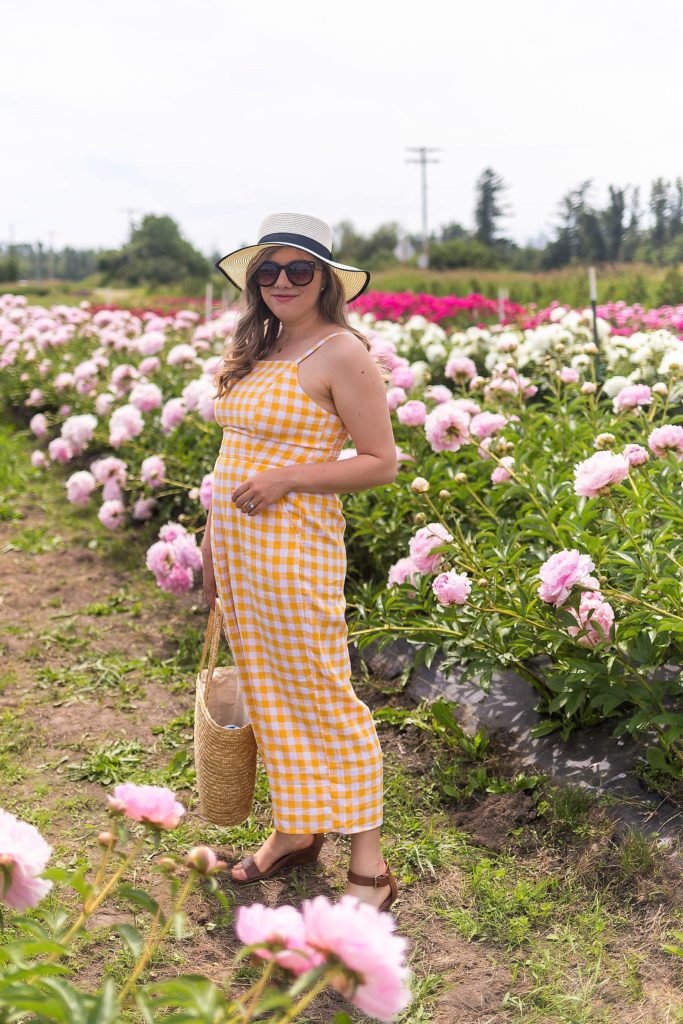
(51, 256)
(423, 159)
(131, 222)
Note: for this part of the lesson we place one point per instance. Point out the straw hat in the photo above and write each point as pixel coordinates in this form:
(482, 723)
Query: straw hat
(302, 232)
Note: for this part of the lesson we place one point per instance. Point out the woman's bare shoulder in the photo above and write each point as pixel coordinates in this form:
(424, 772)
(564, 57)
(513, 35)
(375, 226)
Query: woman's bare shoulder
(346, 347)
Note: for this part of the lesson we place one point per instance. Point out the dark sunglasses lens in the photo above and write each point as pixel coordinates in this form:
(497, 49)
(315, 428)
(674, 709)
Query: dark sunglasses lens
(299, 272)
(267, 274)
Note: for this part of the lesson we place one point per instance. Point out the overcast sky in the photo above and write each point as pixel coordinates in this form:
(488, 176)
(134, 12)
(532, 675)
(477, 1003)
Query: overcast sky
(219, 113)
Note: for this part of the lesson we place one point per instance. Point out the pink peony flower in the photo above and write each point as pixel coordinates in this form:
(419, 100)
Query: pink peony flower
(35, 397)
(484, 424)
(411, 414)
(79, 487)
(187, 553)
(111, 513)
(145, 396)
(38, 459)
(631, 396)
(364, 942)
(395, 397)
(636, 454)
(402, 377)
(568, 375)
(103, 403)
(149, 365)
(23, 857)
(595, 616)
(150, 343)
(172, 413)
(422, 544)
(206, 490)
(63, 381)
(153, 805)
(451, 587)
(447, 428)
(438, 393)
(404, 569)
(563, 571)
(595, 476)
(60, 450)
(501, 474)
(278, 932)
(181, 354)
(125, 423)
(78, 431)
(38, 425)
(153, 471)
(179, 581)
(460, 368)
(109, 468)
(666, 439)
(144, 508)
(170, 531)
(160, 558)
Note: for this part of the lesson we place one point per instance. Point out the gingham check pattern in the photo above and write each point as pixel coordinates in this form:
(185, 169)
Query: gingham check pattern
(280, 576)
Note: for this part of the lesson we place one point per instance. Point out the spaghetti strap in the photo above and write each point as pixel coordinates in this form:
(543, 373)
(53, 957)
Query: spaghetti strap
(317, 345)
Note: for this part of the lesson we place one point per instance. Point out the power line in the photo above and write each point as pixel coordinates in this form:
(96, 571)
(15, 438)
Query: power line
(424, 159)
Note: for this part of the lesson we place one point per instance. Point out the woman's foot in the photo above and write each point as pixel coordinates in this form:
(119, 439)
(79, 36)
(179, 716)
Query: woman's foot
(375, 896)
(277, 845)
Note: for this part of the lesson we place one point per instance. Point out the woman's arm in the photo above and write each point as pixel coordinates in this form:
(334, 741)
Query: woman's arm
(357, 390)
(206, 539)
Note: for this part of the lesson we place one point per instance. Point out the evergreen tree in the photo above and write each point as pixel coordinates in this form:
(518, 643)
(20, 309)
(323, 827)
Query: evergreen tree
(659, 207)
(613, 221)
(489, 210)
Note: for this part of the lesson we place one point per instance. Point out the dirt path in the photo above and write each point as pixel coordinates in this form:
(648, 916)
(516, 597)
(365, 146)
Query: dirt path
(96, 685)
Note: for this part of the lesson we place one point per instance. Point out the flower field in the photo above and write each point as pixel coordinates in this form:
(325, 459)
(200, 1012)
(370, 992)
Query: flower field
(535, 523)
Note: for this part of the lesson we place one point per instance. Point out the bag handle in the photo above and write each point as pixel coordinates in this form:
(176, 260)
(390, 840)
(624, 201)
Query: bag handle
(212, 637)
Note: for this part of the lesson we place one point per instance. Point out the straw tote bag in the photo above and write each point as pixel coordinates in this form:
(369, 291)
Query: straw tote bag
(225, 758)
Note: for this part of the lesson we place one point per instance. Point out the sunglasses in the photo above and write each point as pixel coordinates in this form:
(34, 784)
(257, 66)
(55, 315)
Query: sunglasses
(299, 272)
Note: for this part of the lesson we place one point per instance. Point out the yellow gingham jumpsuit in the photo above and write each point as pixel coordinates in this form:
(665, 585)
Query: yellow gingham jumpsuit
(280, 577)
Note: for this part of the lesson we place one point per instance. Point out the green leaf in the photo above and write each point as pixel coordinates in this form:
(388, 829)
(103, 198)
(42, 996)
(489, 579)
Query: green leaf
(131, 937)
(106, 1009)
(139, 898)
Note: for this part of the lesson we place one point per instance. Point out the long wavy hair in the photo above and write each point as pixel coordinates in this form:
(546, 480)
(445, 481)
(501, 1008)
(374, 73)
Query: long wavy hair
(258, 327)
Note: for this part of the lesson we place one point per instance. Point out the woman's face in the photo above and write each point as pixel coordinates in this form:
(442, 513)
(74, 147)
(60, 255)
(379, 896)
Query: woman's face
(286, 300)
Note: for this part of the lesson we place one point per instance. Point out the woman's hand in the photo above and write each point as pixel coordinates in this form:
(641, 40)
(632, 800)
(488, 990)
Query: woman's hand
(260, 490)
(208, 577)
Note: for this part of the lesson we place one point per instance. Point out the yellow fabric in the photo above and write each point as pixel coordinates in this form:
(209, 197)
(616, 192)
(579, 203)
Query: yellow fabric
(280, 576)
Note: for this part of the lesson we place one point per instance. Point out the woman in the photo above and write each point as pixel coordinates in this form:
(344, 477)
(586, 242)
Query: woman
(295, 384)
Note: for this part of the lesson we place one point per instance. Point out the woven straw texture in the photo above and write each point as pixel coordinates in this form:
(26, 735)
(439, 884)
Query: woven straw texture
(225, 759)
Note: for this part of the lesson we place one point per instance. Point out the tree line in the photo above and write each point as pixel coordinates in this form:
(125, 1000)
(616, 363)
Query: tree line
(628, 227)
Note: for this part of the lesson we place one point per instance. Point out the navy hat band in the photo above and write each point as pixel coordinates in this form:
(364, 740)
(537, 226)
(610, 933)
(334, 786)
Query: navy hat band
(303, 241)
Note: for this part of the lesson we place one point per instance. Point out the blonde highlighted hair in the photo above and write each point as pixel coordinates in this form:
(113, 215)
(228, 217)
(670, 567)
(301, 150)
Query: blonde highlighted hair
(258, 327)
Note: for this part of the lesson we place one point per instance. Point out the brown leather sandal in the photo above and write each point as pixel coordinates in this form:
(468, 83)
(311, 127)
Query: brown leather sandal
(377, 882)
(294, 859)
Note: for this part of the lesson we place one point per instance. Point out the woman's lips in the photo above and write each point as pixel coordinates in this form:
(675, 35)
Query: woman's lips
(284, 298)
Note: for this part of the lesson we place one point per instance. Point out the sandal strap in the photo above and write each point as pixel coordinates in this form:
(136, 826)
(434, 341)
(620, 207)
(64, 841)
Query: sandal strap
(376, 881)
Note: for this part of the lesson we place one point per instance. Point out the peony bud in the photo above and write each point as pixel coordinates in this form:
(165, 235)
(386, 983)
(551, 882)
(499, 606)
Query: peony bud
(660, 388)
(167, 864)
(591, 349)
(588, 388)
(106, 839)
(444, 494)
(420, 517)
(420, 485)
(460, 478)
(483, 583)
(202, 859)
(604, 441)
